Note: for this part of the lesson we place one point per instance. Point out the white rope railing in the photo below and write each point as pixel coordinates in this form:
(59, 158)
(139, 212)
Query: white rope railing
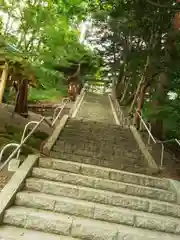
(19, 146)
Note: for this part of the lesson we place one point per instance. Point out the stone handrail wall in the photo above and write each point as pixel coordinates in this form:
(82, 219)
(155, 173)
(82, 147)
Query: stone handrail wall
(124, 120)
(77, 102)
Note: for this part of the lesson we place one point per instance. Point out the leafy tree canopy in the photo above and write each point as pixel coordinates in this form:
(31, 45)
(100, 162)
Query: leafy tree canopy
(44, 34)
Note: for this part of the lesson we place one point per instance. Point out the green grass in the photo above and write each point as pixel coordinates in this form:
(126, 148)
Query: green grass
(53, 94)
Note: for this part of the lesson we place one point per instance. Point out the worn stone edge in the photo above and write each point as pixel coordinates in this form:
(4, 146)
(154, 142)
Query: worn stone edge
(8, 193)
(77, 104)
(150, 160)
(174, 186)
(52, 139)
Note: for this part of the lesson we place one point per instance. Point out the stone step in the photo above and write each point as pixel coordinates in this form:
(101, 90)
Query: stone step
(86, 122)
(87, 140)
(104, 184)
(38, 220)
(118, 131)
(99, 212)
(106, 173)
(86, 156)
(101, 196)
(117, 163)
(123, 156)
(97, 146)
(90, 122)
(8, 232)
(95, 136)
(93, 130)
(77, 227)
(106, 152)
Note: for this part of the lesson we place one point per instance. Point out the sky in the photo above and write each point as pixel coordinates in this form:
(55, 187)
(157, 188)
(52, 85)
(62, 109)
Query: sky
(85, 26)
(12, 23)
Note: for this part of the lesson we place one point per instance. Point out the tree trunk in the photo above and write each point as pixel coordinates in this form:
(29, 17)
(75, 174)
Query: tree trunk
(140, 104)
(136, 95)
(4, 77)
(121, 79)
(143, 79)
(163, 83)
(161, 93)
(21, 106)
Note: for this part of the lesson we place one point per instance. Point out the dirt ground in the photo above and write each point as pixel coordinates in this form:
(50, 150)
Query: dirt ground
(5, 176)
(11, 128)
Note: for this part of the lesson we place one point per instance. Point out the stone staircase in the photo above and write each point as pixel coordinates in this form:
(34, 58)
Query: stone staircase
(100, 144)
(81, 193)
(81, 201)
(96, 108)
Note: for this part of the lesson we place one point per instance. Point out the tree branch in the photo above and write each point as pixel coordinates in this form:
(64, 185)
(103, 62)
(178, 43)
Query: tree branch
(161, 5)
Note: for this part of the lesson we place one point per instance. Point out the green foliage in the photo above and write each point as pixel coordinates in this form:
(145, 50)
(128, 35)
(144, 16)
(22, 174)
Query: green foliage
(140, 43)
(42, 35)
(51, 94)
